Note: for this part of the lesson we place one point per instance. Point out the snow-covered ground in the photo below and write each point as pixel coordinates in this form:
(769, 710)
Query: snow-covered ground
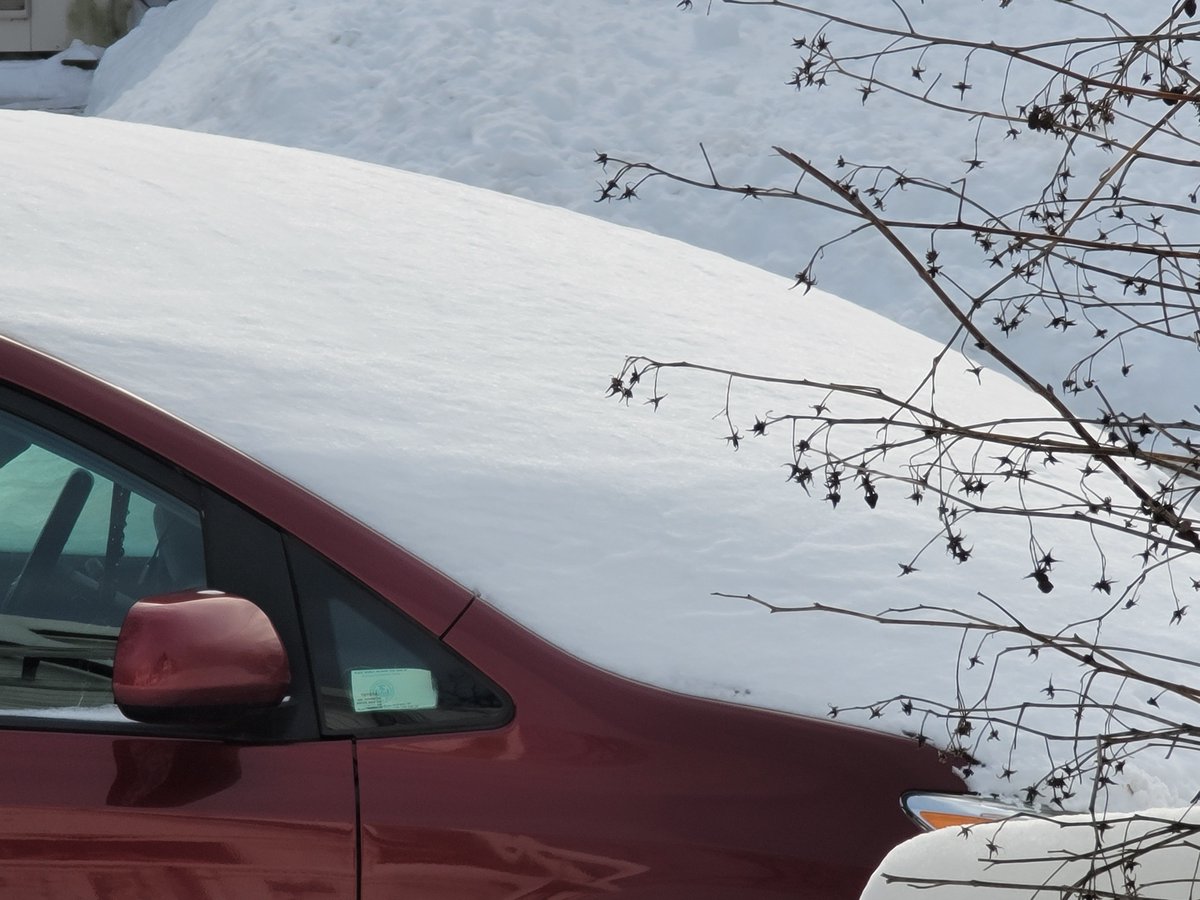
(49, 84)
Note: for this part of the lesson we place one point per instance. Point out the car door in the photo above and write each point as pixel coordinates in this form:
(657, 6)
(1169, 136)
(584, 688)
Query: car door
(93, 804)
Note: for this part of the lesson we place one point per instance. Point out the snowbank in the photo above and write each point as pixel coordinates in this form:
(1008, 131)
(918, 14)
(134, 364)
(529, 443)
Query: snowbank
(48, 83)
(517, 97)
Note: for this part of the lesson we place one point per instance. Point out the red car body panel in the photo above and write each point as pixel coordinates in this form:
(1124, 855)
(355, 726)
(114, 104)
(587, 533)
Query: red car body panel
(605, 787)
(598, 787)
(91, 815)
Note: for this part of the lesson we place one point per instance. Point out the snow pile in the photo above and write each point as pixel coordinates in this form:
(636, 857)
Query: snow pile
(518, 96)
(48, 83)
(513, 96)
(1023, 859)
(433, 359)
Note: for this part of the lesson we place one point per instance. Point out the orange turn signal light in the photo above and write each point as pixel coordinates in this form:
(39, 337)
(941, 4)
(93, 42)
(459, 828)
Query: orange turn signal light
(936, 820)
(933, 811)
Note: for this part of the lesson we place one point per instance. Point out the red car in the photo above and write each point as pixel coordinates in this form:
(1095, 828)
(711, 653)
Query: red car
(216, 685)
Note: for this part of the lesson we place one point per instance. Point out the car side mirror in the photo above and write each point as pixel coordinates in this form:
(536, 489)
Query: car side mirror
(198, 656)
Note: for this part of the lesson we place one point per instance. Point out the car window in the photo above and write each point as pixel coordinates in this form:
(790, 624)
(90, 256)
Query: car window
(376, 670)
(81, 539)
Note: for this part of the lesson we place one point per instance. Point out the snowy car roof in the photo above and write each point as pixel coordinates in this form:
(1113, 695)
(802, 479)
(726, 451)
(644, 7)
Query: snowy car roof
(434, 358)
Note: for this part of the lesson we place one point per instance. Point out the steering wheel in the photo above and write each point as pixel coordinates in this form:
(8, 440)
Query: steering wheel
(48, 548)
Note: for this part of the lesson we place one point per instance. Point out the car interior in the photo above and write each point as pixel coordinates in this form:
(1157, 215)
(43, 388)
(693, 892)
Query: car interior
(77, 548)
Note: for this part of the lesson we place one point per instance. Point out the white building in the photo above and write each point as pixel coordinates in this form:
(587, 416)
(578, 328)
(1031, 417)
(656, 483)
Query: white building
(43, 27)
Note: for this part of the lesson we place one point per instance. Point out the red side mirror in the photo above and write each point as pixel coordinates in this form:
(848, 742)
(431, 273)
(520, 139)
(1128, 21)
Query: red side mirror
(199, 654)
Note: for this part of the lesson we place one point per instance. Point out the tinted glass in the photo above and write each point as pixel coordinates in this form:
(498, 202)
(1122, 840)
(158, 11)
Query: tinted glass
(81, 540)
(376, 670)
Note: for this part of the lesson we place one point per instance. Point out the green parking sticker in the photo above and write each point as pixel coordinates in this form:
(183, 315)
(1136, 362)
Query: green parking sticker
(380, 689)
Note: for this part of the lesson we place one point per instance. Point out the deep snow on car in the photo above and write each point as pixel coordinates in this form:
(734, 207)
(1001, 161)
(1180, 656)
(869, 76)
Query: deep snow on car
(313, 502)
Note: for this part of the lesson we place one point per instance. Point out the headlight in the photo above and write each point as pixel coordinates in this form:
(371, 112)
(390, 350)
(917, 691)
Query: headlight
(933, 811)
